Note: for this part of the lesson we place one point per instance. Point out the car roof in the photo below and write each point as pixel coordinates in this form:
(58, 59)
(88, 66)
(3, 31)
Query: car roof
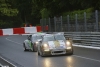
(60, 33)
(48, 35)
(38, 34)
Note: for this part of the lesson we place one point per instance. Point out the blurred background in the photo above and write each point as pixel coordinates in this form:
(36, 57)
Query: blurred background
(74, 15)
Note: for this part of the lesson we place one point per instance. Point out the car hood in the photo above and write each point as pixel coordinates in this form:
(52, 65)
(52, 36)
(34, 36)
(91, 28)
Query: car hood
(59, 44)
(37, 40)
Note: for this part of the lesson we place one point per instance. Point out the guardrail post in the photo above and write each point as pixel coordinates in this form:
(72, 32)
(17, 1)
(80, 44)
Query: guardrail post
(61, 24)
(96, 16)
(55, 23)
(49, 25)
(68, 22)
(85, 25)
(41, 24)
(76, 22)
(45, 24)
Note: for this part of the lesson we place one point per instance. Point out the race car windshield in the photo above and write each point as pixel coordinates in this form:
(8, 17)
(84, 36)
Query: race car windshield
(49, 38)
(59, 37)
(37, 37)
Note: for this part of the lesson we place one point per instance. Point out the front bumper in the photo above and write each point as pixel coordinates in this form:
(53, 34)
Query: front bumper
(57, 52)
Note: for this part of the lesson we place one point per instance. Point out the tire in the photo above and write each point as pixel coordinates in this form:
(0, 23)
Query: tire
(38, 53)
(41, 54)
(34, 48)
(71, 53)
(24, 47)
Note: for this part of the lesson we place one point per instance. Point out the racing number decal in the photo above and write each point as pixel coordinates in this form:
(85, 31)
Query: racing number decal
(57, 44)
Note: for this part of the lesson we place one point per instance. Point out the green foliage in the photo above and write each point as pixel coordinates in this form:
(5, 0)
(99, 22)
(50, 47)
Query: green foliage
(37, 24)
(80, 13)
(44, 13)
(5, 9)
(9, 11)
(24, 11)
(4, 24)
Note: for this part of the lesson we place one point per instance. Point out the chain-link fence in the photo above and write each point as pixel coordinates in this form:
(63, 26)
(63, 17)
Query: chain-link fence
(86, 22)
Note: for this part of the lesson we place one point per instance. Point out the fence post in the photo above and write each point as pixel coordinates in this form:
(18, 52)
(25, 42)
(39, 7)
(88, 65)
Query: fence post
(41, 24)
(96, 16)
(49, 25)
(61, 24)
(68, 22)
(85, 22)
(76, 22)
(45, 25)
(55, 23)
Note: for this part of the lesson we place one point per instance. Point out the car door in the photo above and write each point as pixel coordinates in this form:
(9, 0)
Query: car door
(29, 41)
(39, 45)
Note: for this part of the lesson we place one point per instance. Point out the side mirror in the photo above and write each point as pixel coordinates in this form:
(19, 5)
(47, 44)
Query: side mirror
(40, 41)
(28, 38)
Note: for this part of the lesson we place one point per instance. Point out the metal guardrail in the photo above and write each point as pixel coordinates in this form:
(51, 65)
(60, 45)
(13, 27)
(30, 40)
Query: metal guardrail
(84, 38)
(86, 22)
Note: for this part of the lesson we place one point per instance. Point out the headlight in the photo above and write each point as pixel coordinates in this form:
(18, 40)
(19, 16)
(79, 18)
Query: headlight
(45, 47)
(37, 42)
(68, 45)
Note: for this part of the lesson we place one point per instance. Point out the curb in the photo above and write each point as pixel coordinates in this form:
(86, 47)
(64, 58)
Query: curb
(6, 63)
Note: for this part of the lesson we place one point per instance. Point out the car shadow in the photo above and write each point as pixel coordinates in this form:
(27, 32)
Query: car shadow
(57, 55)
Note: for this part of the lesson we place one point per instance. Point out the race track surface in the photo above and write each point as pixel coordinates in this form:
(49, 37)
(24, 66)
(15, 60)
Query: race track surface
(11, 48)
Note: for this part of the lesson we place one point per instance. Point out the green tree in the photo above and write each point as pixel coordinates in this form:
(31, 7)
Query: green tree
(6, 9)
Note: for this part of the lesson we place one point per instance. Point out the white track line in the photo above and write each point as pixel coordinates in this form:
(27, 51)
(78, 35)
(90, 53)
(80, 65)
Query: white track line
(86, 46)
(8, 61)
(73, 45)
(87, 58)
(5, 59)
(1, 65)
(13, 41)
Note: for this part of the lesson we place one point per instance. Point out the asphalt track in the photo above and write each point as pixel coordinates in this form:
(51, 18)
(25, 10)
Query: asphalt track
(12, 50)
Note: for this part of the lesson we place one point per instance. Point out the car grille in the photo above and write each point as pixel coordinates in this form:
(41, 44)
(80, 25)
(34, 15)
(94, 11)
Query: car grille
(58, 51)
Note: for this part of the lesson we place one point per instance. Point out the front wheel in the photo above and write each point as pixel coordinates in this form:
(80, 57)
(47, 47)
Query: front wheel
(71, 53)
(34, 48)
(41, 53)
(38, 53)
(24, 47)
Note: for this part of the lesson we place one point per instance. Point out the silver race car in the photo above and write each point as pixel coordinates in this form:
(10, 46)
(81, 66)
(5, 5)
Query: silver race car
(68, 43)
(31, 42)
(54, 44)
